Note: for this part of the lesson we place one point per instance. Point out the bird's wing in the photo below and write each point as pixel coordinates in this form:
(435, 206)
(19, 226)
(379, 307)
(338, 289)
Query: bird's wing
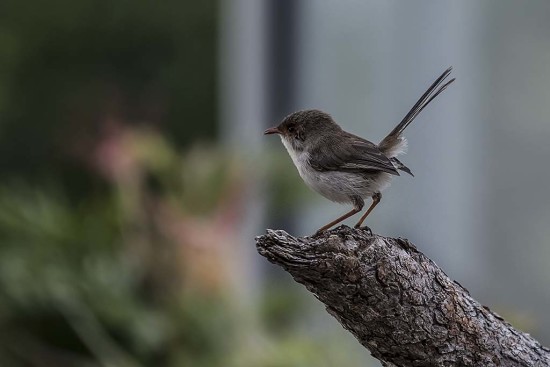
(359, 156)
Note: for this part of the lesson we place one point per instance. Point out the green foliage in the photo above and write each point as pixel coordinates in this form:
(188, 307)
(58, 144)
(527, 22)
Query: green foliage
(70, 279)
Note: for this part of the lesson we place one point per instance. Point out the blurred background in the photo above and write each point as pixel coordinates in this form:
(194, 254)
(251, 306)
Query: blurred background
(135, 174)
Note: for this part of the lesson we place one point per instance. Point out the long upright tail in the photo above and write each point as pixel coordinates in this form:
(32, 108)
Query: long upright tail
(394, 143)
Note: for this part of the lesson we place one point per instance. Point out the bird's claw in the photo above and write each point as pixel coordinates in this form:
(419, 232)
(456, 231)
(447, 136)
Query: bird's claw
(364, 228)
(318, 233)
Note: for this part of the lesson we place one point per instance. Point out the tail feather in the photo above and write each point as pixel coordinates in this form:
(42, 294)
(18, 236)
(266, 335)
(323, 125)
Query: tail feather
(400, 166)
(391, 143)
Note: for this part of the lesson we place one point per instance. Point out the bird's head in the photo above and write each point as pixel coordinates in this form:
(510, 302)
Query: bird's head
(303, 127)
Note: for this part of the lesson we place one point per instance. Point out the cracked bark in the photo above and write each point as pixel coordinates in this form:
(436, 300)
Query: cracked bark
(398, 303)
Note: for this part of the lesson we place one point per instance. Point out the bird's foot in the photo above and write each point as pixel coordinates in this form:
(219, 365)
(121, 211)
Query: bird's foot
(319, 232)
(364, 228)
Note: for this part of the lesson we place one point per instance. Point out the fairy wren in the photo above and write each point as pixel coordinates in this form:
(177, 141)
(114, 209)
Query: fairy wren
(343, 167)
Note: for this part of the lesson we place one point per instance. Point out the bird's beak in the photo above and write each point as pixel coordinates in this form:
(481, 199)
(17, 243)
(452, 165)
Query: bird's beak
(272, 130)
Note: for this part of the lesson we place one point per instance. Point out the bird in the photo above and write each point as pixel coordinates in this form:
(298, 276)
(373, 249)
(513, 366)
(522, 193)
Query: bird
(344, 167)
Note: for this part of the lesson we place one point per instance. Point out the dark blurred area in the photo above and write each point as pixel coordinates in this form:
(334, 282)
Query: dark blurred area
(135, 174)
(98, 102)
(74, 73)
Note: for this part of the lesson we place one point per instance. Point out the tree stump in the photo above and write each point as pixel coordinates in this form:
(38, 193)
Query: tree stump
(398, 303)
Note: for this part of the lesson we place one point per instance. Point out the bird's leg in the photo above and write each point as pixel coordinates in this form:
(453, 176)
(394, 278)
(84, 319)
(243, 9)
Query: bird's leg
(375, 200)
(357, 206)
(338, 220)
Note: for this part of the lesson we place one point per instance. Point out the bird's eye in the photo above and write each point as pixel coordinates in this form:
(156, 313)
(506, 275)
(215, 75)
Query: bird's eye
(291, 129)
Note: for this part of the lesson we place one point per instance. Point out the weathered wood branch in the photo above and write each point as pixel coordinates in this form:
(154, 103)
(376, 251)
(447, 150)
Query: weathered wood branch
(398, 303)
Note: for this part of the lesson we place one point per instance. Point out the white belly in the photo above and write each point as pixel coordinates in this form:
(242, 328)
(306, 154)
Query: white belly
(337, 186)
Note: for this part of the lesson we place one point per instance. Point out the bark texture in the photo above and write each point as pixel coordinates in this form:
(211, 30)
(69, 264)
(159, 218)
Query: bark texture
(398, 303)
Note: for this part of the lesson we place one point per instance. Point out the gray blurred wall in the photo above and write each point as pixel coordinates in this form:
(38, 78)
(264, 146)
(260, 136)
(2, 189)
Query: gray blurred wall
(479, 204)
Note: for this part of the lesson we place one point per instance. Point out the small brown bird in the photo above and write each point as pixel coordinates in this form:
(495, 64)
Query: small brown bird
(343, 167)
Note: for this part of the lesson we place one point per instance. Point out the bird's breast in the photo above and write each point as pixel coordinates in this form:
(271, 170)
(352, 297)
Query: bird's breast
(300, 158)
